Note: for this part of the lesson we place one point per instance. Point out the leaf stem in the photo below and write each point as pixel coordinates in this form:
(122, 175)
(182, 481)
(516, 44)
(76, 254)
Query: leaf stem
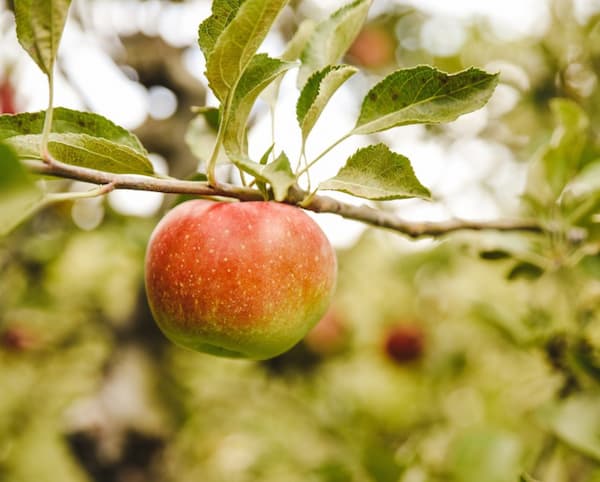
(212, 162)
(48, 117)
(74, 196)
(325, 152)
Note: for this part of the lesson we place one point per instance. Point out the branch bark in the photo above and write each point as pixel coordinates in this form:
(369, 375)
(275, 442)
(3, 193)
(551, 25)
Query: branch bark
(319, 204)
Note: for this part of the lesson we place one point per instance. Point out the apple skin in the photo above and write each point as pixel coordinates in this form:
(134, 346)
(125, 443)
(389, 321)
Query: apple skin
(238, 279)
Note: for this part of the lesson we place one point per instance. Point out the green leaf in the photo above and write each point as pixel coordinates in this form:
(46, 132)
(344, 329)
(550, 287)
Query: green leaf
(332, 37)
(19, 196)
(40, 24)
(69, 121)
(423, 94)
(576, 422)
(278, 174)
(85, 151)
(494, 254)
(377, 173)
(316, 93)
(485, 454)
(201, 135)
(261, 71)
(211, 114)
(234, 48)
(223, 12)
(524, 270)
(559, 161)
(292, 52)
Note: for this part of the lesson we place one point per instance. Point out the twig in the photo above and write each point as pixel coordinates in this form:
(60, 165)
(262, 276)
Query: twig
(296, 196)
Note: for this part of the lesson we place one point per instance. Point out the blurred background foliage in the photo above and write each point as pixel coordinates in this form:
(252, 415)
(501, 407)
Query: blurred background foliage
(472, 358)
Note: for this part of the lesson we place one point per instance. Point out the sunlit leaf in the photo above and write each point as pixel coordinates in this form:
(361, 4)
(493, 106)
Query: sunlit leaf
(576, 421)
(486, 454)
(317, 92)
(558, 161)
(69, 121)
(278, 174)
(423, 94)
(261, 71)
(84, 151)
(18, 193)
(332, 37)
(223, 12)
(235, 46)
(377, 173)
(292, 52)
(40, 24)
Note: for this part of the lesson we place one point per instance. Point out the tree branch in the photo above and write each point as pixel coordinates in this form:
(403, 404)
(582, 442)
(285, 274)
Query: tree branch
(319, 204)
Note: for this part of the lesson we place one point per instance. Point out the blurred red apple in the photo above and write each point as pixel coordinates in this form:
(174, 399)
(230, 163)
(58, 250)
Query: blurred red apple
(7, 98)
(374, 47)
(329, 336)
(18, 338)
(238, 279)
(404, 343)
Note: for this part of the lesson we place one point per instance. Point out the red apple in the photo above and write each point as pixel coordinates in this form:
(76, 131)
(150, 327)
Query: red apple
(7, 98)
(374, 47)
(329, 336)
(238, 279)
(404, 343)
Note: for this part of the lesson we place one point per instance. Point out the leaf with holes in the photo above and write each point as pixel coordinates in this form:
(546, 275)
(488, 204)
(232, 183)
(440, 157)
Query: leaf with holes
(423, 94)
(379, 174)
(316, 93)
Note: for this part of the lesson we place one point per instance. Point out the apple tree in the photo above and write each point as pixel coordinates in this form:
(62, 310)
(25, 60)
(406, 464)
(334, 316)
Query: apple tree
(472, 358)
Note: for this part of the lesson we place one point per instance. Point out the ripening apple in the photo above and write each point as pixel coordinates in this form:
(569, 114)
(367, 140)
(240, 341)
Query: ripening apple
(373, 48)
(238, 279)
(405, 343)
(7, 98)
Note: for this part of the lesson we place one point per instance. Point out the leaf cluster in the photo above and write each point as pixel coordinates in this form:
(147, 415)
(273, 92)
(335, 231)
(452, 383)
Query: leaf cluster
(238, 75)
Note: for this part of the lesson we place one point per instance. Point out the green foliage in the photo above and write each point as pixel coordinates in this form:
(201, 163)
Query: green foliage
(18, 192)
(278, 174)
(423, 95)
(261, 72)
(40, 24)
(377, 173)
(316, 94)
(507, 388)
(231, 50)
(332, 37)
(69, 121)
(78, 138)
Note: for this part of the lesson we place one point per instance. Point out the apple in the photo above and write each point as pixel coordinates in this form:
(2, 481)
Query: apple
(404, 343)
(329, 336)
(238, 279)
(7, 98)
(374, 47)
